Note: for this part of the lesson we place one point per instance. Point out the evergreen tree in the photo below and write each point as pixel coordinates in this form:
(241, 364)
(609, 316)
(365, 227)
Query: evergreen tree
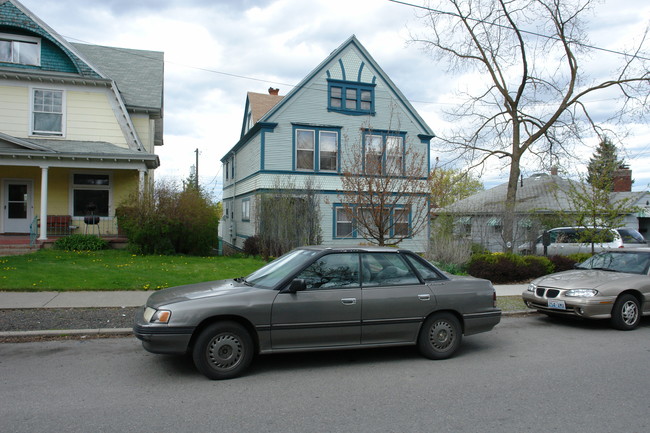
(603, 164)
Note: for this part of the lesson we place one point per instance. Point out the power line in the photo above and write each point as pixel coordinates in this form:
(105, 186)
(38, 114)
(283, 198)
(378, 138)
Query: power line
(555, 38)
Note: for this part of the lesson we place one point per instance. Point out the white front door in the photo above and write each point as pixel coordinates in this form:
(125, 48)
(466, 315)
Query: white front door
(17, 207)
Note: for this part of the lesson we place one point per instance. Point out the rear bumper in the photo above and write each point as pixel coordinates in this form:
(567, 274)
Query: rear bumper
(481, 322)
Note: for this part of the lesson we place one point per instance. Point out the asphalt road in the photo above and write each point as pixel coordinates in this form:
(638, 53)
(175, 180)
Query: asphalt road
(530, 374)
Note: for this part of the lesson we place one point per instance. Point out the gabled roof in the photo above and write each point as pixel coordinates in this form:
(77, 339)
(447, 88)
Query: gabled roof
(138, 73)
(539, 193)
(351, 41)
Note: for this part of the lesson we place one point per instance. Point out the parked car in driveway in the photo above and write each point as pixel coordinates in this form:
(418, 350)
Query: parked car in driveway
(611, 285)
(317, 298)
(572, 240)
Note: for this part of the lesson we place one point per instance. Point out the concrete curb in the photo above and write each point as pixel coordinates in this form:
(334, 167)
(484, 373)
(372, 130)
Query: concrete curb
(66, 332)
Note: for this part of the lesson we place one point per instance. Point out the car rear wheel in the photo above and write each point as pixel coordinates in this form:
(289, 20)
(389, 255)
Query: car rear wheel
(626, 313)
(440, 336)
(223, 350)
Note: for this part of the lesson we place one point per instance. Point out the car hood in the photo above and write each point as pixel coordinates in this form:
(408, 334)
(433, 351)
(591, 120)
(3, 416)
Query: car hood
(188, 292)
(581, 279)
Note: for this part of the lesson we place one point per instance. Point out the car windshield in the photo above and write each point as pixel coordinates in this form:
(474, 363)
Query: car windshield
(629, 262)
(270, 275)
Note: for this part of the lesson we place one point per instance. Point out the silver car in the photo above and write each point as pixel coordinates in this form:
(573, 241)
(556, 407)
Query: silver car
(317, 298)
(611, 285)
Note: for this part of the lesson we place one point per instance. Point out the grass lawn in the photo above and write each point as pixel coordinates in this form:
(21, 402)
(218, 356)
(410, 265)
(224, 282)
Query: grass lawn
(56, 270)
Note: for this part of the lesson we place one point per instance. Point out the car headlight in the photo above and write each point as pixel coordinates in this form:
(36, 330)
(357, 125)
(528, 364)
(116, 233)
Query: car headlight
(581, 293)
(532, 287)
(152, 315)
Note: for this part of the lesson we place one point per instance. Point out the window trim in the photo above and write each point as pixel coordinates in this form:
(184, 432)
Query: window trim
(316, 132)
(109, 188)
(355, 232)
(24, 39)
(384, 151)
(358, 88)
(32, 112)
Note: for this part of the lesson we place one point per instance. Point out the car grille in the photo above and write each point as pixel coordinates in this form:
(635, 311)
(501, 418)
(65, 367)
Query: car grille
(548, 293)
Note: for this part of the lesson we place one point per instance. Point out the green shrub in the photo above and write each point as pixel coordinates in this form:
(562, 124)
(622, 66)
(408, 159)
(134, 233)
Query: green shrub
(170, 221)
(253, 246)
(508, 268)
(80, 242)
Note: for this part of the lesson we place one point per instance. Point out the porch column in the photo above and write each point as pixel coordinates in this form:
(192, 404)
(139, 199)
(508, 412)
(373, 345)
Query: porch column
(141, 183)
(43, 229)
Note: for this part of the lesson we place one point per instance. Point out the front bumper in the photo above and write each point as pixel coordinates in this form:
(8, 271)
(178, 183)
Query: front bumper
(597, 307)
(163, 339)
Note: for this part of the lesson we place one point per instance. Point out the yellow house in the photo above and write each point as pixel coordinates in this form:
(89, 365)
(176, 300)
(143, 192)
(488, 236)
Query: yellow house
(78, 128)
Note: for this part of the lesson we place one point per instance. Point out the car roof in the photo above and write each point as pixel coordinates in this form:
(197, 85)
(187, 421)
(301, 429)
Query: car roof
(354, 248)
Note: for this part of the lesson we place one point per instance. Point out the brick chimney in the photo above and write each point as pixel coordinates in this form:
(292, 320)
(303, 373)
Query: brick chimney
(554, 170)
(622, 180)
(273, 91)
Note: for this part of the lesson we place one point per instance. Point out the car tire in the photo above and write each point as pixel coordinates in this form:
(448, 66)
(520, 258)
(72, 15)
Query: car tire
(626, 313)
(440, 336)
(223, 350)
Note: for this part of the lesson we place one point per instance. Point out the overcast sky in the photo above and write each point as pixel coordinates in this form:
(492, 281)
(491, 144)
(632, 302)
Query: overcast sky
(217, 50)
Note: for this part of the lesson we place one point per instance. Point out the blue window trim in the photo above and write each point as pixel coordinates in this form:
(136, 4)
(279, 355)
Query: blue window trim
(383, 134)
(316, 129)
(357, 87)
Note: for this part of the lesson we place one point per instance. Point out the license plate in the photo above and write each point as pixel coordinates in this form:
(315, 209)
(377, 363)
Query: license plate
(558, 305)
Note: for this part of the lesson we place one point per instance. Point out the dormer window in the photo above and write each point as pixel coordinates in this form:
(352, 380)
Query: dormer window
(350, 97)
(22, 50)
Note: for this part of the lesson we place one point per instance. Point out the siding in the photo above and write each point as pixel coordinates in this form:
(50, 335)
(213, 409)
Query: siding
(90, 117)
(14, 111)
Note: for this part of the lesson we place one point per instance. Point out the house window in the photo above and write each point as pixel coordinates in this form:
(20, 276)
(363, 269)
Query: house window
(328, 144)
(384, 153)
(227, 168)
(317, 148)
(232, 169)
(246, 209)
(305, 144)
(91, 194)
(401, 222)
(21, 50)
(343, 223)
(47, 111)
(351, 97)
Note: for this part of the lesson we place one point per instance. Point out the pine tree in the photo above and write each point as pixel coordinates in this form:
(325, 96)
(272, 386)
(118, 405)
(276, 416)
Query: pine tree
(603, 164)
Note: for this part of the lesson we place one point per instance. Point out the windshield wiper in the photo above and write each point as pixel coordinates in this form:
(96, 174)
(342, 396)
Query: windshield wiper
(605, 269)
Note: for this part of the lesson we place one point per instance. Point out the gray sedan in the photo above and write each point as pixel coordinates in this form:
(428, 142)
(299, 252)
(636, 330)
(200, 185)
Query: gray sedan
(318, 298)
(612, 285)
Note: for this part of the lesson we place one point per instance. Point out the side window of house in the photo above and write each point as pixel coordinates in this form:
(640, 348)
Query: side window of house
(333, 271)
(344, 224)
(328, 143)
(351, 97)
(305, 145)
(47, 112)
(246, 209)
(91, 194)
(401, 222)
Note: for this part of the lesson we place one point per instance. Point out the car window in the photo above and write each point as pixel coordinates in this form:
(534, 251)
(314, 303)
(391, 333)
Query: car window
(386, 269)
(631, 236)
(332, 271)
(423, 268)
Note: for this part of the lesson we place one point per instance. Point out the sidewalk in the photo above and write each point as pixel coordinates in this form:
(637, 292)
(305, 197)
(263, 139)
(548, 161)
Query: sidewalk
(10, 300)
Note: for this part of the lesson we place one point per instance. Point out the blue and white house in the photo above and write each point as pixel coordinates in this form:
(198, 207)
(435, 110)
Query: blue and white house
(346, 104)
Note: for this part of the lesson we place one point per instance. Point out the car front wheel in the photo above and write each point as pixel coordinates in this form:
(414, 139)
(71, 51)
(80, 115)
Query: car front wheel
(223, 350)
(440, 336)
(626, 313)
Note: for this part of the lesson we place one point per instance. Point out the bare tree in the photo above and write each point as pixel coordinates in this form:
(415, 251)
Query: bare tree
(529, 56)
(384, 187)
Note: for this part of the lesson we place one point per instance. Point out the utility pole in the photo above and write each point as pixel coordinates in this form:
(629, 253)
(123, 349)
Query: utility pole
(196, 168)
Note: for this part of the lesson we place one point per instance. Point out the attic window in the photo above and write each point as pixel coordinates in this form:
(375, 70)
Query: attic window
(22, 50)
(349, 97)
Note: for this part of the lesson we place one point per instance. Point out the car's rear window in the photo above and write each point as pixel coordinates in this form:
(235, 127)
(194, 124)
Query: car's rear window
(631, 236)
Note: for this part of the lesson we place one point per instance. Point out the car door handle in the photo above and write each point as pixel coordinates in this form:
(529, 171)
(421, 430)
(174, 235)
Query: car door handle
(424, 297)
(349, 301)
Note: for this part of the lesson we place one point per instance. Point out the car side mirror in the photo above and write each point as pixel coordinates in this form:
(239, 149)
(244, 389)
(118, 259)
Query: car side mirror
(297, 285)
